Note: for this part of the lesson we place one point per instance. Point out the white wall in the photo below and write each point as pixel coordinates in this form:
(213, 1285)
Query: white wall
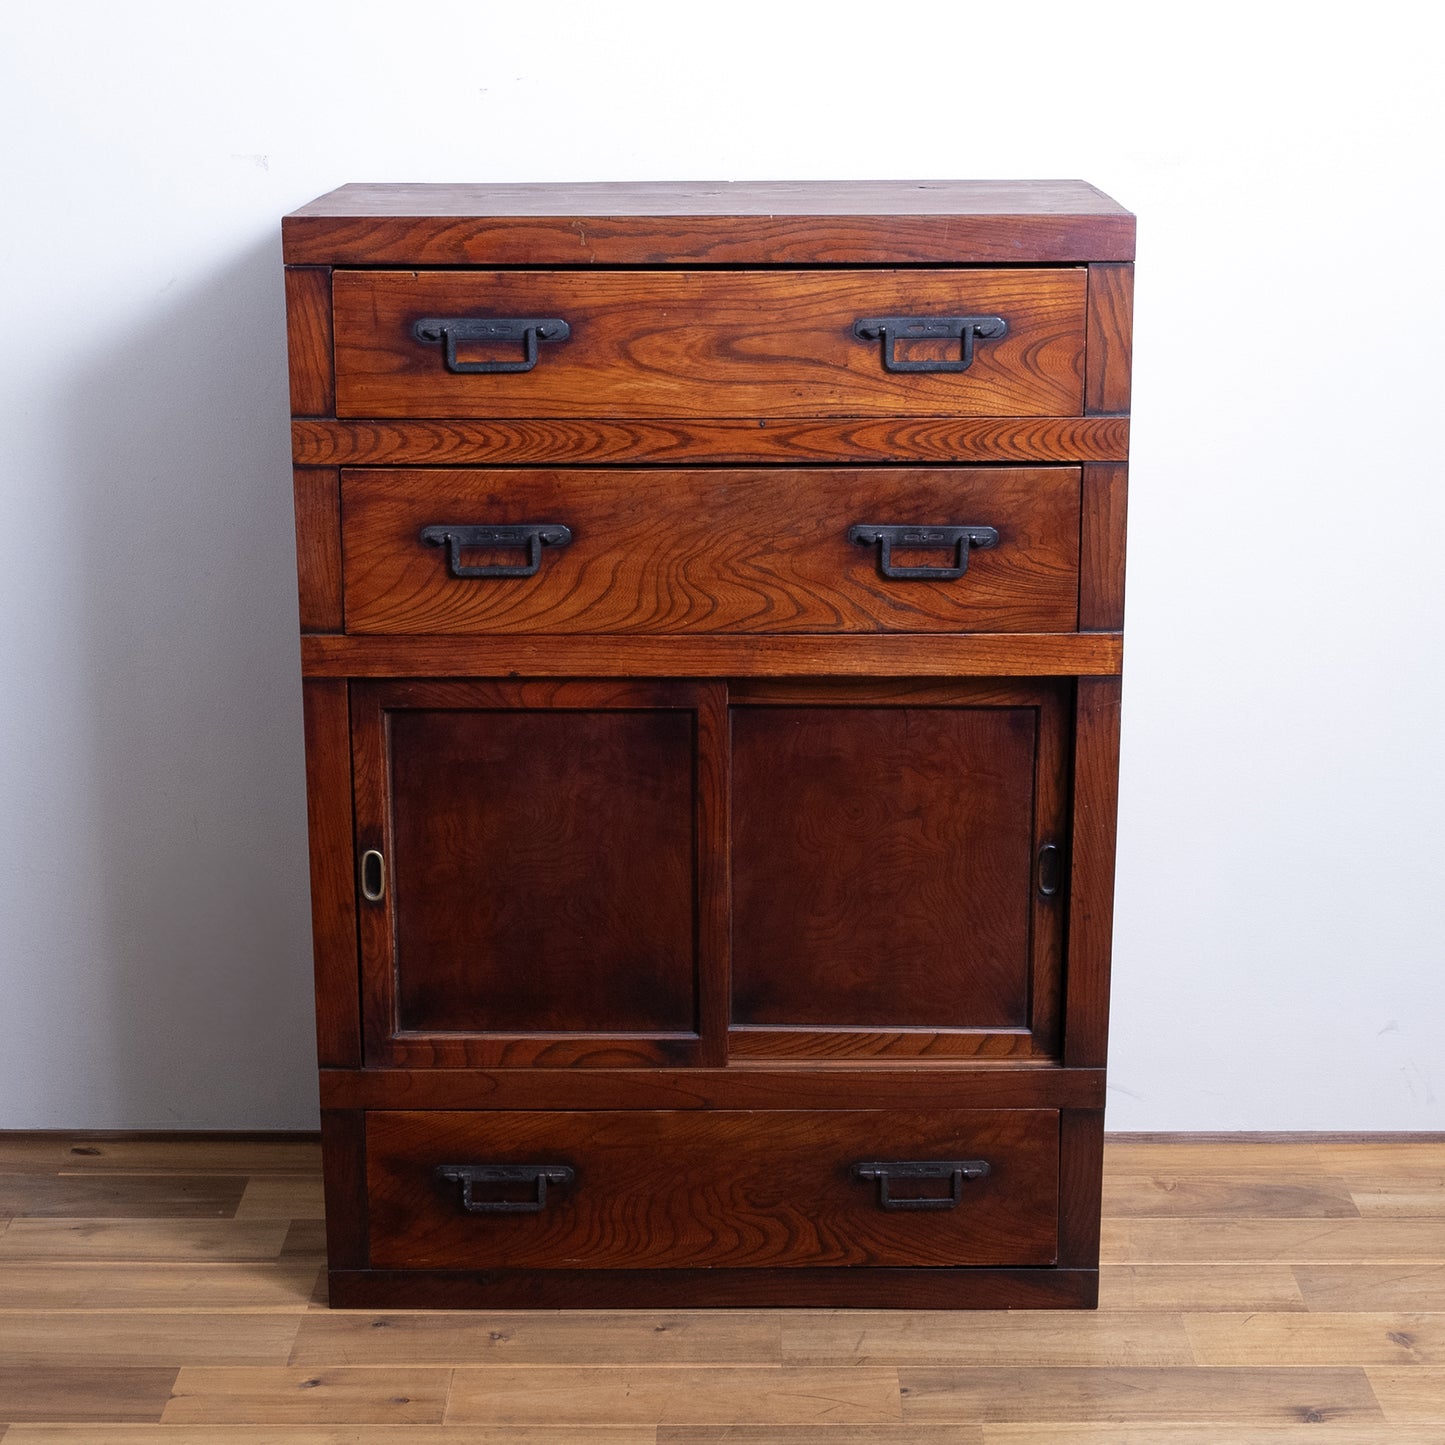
(1280, 959)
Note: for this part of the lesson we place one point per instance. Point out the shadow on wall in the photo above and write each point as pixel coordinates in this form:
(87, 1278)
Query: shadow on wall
(179, 538)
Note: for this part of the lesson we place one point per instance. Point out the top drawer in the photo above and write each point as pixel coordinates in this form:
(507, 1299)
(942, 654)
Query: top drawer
(710, 343)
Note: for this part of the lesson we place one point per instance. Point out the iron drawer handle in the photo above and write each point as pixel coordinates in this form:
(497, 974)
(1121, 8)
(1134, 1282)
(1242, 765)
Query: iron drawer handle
(529, 330)
(892, 329)
(373, 876)
(531, 535)
(954, 1170)
(538, 1175)
(962, 539)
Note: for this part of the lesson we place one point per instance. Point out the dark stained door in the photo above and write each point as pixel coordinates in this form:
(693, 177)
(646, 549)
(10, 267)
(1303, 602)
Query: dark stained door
(540, 847)
(888, 890)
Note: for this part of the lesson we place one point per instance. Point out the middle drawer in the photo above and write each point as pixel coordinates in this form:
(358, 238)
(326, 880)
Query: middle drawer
(966, 549)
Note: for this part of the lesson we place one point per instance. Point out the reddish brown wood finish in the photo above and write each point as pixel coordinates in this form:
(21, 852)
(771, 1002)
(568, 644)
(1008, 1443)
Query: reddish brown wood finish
(1104, 511)
(712, 551)
(731, 222)
(542, 854)
(333, 889)
(716, 852)
(709, 343)
(912, 829)
(1081, 1183)
(905, 1084)
(1111, 332)
(318, 547)
(594, 442)
(1091, 881)
(818, 1287)
(308, 329)
(767, 1188)
(562, 655)
(343, 1156)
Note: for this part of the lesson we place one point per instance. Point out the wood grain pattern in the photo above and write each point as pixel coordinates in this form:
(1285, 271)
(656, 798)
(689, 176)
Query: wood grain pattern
(606, 440)
(1409, 1284)
(710, 343)
(99, 1393)
(1358, 1337)
(87, 1196)
(1110, 343)
(65, 1284)
(318, 547)
(343, 1144)
(333, 863)
(1081, 1150)
(982, 1084)
(578, 1337)
(1210, 1351)
(308, 332)
(144, 1339)
(904, 1337)
(514, 929)
(559, 655)
(1410, 1396)
(817, 1287)
(712, 551)
(660, 223)
(1103, 513)
(1091, 870)
(260, 1396)
(1170, 1393)
(913, 831)
(673, 1395)
(741, 1189)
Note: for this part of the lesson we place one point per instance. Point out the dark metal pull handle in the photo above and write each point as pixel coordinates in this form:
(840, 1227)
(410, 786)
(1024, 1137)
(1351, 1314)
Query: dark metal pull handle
(1051, 870)
(537, 1175)
(529, 330)
(892, 329)
(962, 539)
(954, 1170)
(373, 875)
(531, 535)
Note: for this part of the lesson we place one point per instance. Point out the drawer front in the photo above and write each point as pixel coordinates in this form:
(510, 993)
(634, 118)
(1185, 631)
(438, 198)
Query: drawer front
(615, 1190)
(711, 551)
(709, 343)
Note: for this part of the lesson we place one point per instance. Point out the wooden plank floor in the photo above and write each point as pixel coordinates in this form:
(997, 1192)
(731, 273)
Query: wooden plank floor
(171, 1293)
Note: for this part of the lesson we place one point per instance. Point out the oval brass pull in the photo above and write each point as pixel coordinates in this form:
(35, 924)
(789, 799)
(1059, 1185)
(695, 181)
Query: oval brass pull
(529, 330)
(892, 329)
(373, 875)
(537, 1175)
(954, 1170)
(961, 539)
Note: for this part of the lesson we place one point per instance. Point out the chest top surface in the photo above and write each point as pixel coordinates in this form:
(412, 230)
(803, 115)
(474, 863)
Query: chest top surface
(937, 222)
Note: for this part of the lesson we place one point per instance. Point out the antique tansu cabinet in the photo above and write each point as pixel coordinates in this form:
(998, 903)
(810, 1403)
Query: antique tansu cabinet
(711, 603)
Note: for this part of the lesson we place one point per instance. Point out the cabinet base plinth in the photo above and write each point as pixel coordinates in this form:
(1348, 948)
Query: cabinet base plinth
(915, 1289)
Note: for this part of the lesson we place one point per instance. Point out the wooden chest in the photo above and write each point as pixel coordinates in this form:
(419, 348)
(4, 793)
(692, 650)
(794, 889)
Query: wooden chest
(711, 601)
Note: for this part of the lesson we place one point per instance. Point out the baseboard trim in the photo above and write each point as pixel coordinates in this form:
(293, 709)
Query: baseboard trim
(1147, 1136)
(169, 1136)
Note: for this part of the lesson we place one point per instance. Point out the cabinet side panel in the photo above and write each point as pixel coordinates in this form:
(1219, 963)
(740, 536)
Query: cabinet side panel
(333, 889)
(343, 1158)
(1091, 884)
(1101, 547)
(1081, 1175)
(318, 547)
(1110, 336)
(308, 326)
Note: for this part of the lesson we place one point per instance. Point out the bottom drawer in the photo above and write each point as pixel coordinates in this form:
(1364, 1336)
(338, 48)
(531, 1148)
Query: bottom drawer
(676, 1189)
